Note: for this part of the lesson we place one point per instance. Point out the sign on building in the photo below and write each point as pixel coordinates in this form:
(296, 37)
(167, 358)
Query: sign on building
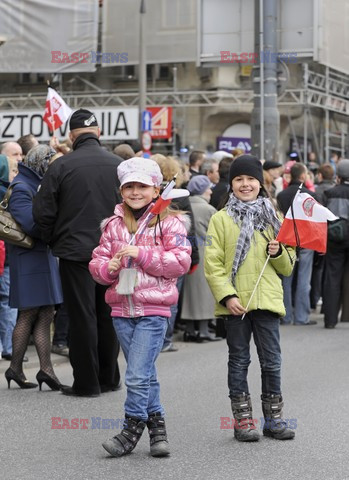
(161, 122)
(115, 124)
(229, 143)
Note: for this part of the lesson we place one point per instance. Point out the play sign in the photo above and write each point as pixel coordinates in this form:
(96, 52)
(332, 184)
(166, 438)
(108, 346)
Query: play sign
(161, 122)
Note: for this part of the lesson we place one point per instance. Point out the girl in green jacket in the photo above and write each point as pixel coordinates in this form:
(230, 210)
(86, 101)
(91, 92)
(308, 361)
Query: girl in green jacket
(242, 236)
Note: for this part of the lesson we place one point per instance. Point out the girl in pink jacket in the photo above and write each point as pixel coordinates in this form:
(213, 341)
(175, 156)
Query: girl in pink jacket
(142, 279)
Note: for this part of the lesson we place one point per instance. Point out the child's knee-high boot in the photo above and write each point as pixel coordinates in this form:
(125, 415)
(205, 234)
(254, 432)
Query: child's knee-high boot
(159, 446)
(125, 441)
(275, 426)
(244, 428)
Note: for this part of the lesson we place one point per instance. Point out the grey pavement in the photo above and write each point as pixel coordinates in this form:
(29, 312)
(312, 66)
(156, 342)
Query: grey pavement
(194, 393)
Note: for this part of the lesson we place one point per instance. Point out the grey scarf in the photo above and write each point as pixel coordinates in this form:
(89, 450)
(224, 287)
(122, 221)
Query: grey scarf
(250, 216)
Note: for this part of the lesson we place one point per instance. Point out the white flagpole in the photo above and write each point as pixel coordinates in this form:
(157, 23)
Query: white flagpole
(255, 287)
(52, 113)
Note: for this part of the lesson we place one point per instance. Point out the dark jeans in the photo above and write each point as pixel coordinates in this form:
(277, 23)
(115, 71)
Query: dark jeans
(265, 328)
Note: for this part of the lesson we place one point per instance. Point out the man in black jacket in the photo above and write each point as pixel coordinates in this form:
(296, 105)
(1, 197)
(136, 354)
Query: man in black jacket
(299, 312)
(78, 191)
(335, 288)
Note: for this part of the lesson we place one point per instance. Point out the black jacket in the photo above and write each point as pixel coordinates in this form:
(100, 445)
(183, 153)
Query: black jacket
(337, 200)
(285, 198)
(77, 192)
(183, 203)
(220, 193)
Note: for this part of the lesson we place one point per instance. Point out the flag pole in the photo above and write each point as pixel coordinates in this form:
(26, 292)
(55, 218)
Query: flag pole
(53, 118)
(296, 235)
(255, 287)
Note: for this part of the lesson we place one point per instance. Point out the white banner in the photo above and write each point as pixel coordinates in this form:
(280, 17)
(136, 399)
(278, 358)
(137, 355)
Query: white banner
(48, 36)
(115, 123)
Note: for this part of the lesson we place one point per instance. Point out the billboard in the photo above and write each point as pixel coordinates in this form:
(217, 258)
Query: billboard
(161, 122)
(115, 124)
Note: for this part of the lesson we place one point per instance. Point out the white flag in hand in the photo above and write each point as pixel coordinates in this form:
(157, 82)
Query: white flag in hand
(57, 111)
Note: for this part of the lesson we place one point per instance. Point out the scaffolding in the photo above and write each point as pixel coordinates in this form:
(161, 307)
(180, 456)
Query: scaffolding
(328, 92)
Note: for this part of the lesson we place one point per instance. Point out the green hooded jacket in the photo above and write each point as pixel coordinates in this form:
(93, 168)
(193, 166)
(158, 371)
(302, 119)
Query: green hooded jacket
(222, 235)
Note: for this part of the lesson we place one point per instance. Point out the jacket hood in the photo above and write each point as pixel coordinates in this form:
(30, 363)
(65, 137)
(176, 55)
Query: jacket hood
(4, 170)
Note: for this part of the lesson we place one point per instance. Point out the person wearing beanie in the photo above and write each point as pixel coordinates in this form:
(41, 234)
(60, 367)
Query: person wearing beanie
(198, 302)
(199, 184)
(242, 243)
(79, 190)
(335, 289)
(141, 280)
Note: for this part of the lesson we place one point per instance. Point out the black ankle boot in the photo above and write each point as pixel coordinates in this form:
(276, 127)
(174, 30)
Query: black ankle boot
(244, 428)
(125, 442)
(159, 446)
(275, 426)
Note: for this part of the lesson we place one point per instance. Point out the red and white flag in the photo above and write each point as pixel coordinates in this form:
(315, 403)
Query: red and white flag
(306, 226)
(57, 111)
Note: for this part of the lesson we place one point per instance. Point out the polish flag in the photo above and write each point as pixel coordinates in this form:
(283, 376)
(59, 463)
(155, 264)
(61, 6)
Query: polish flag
(57, 111)
(168, 194)
(306, 226)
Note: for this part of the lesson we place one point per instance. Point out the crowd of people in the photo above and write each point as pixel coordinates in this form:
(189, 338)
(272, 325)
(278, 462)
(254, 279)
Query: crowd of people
(192, 271)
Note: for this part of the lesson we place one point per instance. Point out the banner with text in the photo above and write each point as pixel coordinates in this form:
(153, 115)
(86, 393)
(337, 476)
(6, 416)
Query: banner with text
(115, 123)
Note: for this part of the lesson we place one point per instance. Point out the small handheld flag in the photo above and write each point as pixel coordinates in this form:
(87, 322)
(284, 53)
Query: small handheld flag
(305, 224)
(168, 194)
(57, 111)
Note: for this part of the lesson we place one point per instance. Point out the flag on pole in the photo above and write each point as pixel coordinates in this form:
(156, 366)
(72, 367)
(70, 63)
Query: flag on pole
(57, 111)
(168, 194)
(305, 224)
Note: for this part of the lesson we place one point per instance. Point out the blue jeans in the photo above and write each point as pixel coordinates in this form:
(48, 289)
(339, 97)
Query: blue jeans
(172, 319)
(141, 340)
(297, 312)
(265, 328)
(8, 315)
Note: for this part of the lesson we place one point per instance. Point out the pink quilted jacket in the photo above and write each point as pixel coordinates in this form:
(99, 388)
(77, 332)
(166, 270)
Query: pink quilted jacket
(160, 261)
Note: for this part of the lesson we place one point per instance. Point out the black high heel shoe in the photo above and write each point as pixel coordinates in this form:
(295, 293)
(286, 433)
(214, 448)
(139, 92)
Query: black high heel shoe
(11, 375)
(43, 377)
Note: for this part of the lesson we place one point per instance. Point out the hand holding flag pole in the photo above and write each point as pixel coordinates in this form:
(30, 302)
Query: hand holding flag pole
(167, 195)
(255, 287)
(128, 280)
(304, 226)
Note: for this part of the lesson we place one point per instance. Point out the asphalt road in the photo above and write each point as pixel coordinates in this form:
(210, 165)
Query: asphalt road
(194, 393)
